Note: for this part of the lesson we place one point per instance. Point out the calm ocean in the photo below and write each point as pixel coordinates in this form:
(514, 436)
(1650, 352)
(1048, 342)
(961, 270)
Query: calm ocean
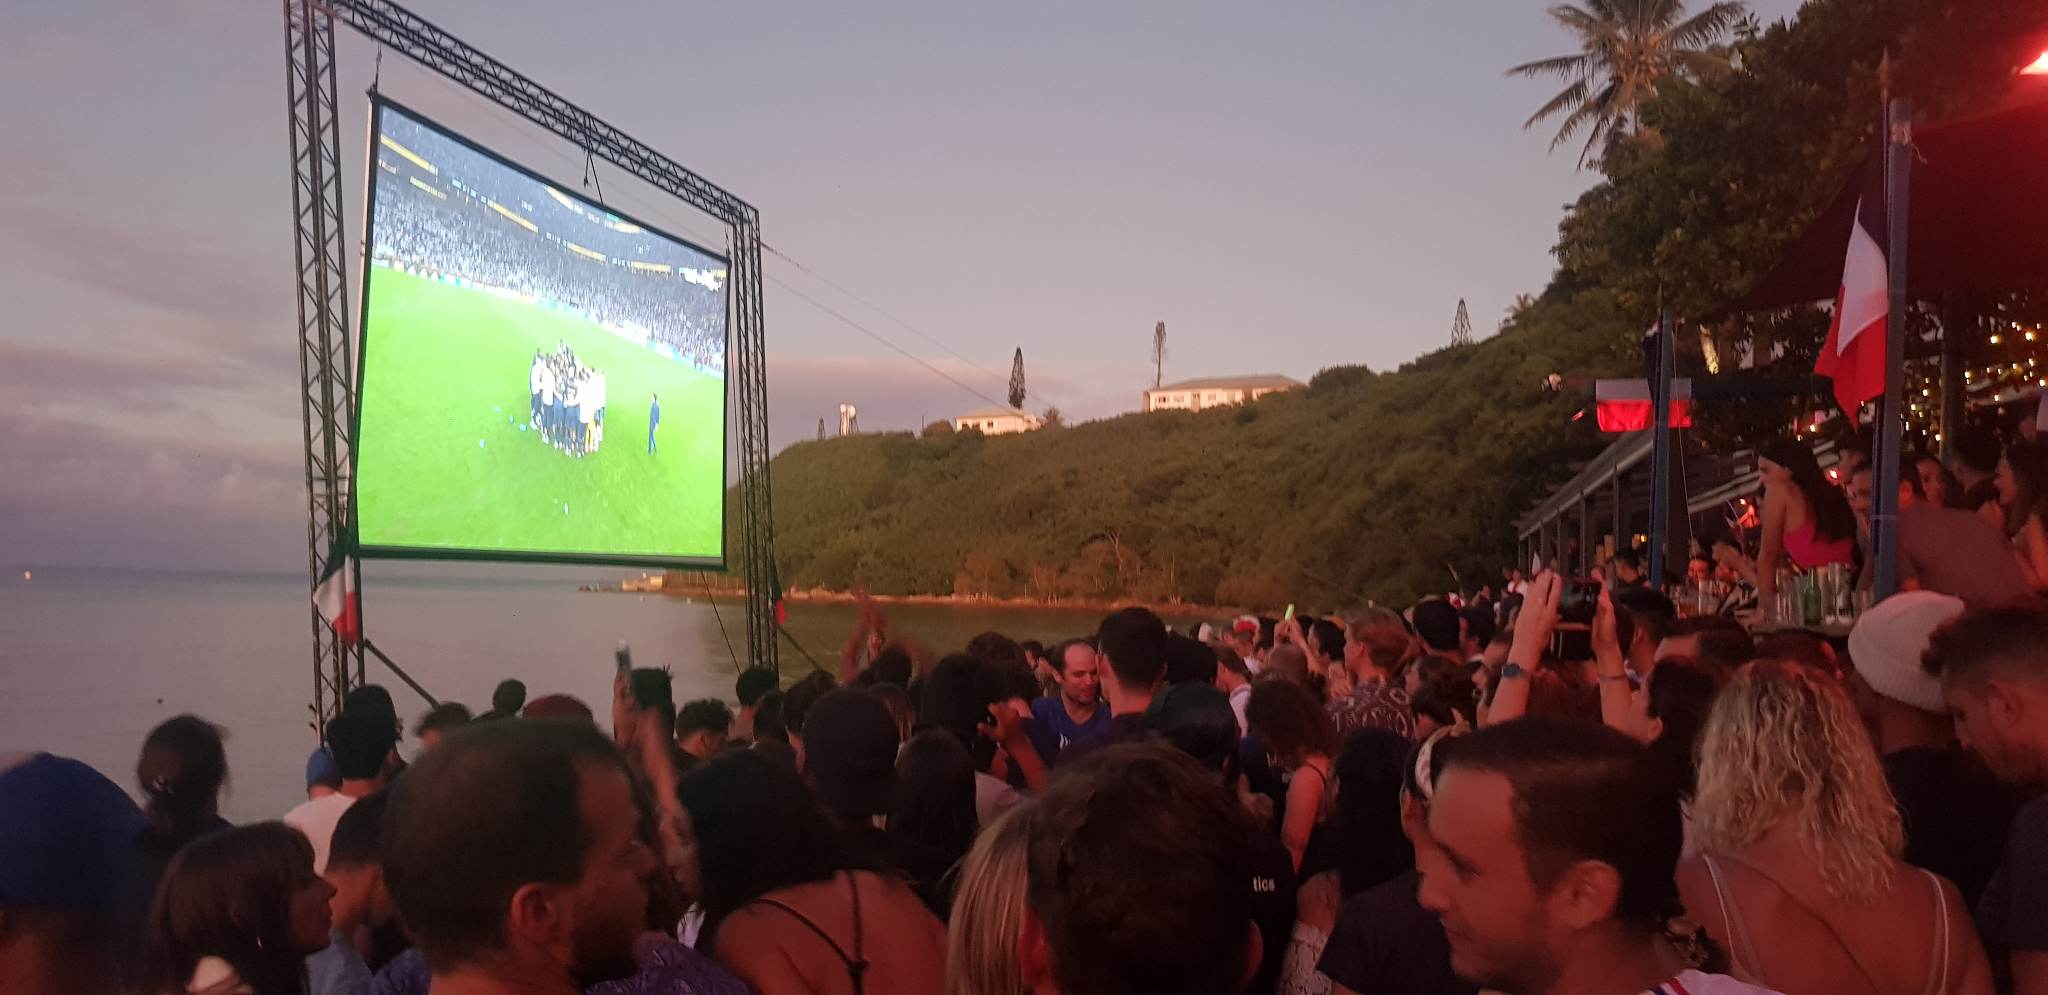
(91, 659)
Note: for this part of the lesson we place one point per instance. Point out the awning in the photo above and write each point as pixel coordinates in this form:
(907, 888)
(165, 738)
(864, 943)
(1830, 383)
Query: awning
(1979, 219)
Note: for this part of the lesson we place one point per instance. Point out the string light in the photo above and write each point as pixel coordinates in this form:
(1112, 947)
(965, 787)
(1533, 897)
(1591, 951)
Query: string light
(2011, 371)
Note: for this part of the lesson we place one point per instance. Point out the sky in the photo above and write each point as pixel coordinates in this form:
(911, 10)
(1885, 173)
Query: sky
(1289, 187)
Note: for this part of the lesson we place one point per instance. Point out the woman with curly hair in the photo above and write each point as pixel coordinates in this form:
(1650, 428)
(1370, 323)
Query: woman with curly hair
(1798, 876)
(1298, 734)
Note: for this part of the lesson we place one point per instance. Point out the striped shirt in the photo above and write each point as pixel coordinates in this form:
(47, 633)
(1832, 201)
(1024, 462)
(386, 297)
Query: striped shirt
(1695, 983)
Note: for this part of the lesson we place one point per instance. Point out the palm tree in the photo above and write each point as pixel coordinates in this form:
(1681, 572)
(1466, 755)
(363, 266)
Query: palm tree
(1626, 48)
(1523, 302)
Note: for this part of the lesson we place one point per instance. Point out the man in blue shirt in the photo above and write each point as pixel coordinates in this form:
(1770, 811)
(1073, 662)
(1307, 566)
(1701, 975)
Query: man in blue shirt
(653, 421)
(1075, 714)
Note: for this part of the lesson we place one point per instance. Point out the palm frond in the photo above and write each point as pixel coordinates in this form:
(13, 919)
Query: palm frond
(1573, 94)
(1647, 17)
(1603, 135)
(1580, 21)
(1562, 65)
(1588, 112)
(1708, 27)
(1606, 9)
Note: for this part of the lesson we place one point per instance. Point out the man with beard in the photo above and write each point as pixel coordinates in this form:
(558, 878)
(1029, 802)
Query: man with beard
(514, 854)
(1554, 845)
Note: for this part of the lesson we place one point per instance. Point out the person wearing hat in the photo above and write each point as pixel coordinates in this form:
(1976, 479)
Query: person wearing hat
(323, 778)
(851, 741)
(67, 836)
(1955, 813)
(1244, 639)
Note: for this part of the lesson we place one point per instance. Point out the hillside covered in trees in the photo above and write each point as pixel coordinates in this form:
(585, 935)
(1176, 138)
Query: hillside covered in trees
(1387, 485)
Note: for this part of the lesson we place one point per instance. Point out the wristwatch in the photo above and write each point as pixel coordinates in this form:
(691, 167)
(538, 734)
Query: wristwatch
(1511, 670)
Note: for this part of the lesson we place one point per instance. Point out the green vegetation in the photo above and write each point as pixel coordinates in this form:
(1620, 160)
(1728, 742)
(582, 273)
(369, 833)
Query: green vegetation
(1380, 485)
(1361, 483)
(448, 461)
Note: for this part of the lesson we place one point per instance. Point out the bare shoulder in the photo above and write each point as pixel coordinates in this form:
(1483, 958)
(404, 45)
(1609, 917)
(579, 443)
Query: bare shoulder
(1696, 891)
(1318, 902)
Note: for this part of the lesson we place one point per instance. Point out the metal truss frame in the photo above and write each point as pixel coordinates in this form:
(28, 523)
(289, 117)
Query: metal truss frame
(325, 347)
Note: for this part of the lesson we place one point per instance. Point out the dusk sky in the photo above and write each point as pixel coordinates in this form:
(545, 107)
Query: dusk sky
(1288, 186)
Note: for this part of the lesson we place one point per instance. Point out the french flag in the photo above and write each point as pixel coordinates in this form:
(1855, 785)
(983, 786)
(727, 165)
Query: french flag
(1853, 356)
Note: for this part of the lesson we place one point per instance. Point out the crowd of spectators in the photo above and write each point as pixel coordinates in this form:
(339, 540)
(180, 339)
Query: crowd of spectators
(445, 224)
(1465, 794)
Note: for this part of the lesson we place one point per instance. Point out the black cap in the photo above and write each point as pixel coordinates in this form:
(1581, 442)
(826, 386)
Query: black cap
(850, 743)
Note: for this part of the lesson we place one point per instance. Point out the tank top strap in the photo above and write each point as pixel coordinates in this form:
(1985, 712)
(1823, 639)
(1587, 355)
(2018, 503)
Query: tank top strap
(856, 963)
(1738, 934)
(1937, 984)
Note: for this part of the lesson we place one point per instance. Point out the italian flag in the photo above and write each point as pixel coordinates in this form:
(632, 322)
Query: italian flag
(335, 596)
(1854, 353)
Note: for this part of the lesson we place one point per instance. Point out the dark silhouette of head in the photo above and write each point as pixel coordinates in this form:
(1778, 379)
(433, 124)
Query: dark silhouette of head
(1134, 641)
(361, 743)
(759, 829)
(754, 682)
(935, 793)
(181, 770)
(1137, 863)
(1437, 622)
(1189, 661)
(956, 698)
(439, 721)
(509, 696)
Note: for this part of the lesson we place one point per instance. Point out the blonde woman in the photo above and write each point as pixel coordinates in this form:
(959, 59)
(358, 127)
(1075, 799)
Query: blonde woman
(1798, 876)
(988, 912)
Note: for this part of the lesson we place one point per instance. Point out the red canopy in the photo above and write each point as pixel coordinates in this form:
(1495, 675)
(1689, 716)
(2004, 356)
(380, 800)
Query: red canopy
(1979, 214)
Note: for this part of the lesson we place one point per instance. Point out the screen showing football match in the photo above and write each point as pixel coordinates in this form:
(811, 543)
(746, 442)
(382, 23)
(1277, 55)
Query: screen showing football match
(541, 378)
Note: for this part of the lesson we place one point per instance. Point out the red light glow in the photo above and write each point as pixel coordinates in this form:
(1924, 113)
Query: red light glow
(2039, 68)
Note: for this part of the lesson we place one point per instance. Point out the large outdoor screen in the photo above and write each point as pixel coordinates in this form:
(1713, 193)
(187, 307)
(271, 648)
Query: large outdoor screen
(541, 378)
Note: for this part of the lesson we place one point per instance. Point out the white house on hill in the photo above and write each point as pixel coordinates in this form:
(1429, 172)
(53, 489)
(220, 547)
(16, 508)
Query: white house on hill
(1210, 392)
(997, 421)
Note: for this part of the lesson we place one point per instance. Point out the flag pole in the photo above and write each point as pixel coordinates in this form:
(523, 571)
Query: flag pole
(1898, 171)
(1660, 449)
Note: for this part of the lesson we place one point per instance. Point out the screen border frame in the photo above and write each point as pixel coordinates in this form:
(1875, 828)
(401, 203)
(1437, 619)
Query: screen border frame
(720, 564)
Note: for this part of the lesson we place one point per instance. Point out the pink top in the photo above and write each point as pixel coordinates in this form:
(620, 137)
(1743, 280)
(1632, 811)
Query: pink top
(1809, 551)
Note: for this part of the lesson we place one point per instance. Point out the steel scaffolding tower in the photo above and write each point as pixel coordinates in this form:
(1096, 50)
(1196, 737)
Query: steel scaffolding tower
(326, 360)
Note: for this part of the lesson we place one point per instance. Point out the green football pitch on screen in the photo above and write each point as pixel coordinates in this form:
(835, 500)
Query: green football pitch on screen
(540, 379)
